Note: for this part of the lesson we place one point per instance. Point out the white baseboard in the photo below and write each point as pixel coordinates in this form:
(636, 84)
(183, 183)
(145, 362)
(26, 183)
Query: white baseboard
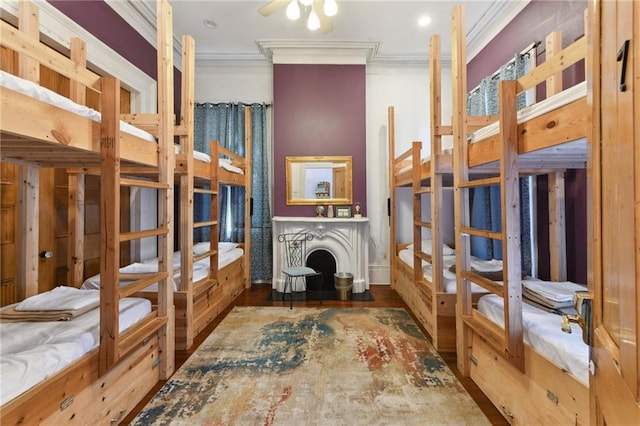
(379, 274)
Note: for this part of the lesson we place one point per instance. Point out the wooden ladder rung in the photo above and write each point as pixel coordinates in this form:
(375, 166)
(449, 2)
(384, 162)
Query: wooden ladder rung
(205, 223)
(201, 256)
(480, 182)
(422, 255)
(142, 281)
(483, 282)
(136, 235)
(481, 233)
(423, 190)
(143, 183)
(422, 224)
(491, 333)
(205, 191)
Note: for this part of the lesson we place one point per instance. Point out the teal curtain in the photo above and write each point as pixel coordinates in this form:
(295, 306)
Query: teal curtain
(225, 122)
(485, 201)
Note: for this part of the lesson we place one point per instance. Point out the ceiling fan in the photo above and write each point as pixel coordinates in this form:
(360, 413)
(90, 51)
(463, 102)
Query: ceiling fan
(319, 11)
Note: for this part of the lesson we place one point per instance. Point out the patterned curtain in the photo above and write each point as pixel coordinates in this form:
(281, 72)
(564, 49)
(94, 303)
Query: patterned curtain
(485, 201)
(225, 123)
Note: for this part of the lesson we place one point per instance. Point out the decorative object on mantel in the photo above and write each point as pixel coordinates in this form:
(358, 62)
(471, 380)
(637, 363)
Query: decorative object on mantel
(320, 211)
(357, 211)
(330, 210)
(343, 211)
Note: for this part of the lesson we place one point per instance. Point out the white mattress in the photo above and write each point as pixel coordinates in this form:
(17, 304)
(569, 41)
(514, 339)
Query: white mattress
(32, 351)
(449, 284)
(225, 163)
(527, 113)
(200, 269)
(29, 88)
(543, 333)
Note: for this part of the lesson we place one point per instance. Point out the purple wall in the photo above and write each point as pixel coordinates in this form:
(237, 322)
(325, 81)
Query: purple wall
(106, 25)
(318, 110)
(536, 20)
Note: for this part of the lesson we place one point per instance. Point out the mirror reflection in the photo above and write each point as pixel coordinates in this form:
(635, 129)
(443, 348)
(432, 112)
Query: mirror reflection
(319, 180)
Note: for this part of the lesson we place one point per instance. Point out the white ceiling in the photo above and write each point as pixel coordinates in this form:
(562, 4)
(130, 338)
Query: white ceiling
(389, 29)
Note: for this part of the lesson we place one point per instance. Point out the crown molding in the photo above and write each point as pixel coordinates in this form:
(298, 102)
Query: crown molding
(142, 18)
(493, 21)
(57, 27)
(317, 51)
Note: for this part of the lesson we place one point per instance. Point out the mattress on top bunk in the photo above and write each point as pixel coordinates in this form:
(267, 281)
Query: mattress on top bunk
(542, 331)
(225, 163)
(448, 262)
(32, 351)
(532, 111)
(31, 89)
(200, 268)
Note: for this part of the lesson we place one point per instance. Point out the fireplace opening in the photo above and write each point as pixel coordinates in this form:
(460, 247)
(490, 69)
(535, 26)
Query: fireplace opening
(322, 261)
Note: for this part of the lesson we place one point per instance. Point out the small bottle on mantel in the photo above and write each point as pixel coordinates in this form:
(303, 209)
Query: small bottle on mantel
(330, 210)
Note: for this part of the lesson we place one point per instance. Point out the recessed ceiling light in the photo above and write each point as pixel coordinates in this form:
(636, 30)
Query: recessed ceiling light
(424, 21)
(210, 24)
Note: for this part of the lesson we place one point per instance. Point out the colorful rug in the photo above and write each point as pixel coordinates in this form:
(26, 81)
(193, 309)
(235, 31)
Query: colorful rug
(313, 366)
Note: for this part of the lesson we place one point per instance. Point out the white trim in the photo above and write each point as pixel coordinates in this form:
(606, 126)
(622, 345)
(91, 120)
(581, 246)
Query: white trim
(317, 51)
(143, 18)
(60, 29)
(494, 20)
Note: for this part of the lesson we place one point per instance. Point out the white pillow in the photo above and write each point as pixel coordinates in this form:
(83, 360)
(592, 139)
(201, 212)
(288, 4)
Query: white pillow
(225, 246)
(426, 248)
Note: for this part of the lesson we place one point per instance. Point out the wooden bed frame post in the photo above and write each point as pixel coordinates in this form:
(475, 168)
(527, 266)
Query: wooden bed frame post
(391, 132)
(166, 164)
(557, 219)
(460, 175)
(510, 202)
(29, 181)
(110, 223)
(76, 182)
(186, 179)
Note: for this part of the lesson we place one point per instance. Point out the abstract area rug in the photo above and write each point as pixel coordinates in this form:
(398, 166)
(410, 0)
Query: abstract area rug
(313, 366)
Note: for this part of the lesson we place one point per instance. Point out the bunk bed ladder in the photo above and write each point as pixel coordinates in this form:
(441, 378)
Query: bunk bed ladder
(508, 342)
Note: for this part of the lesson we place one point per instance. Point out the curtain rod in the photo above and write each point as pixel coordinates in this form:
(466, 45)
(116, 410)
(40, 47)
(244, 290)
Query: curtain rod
(525, 51)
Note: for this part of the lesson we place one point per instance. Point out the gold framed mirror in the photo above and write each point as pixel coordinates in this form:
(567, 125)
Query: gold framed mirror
(316, 180)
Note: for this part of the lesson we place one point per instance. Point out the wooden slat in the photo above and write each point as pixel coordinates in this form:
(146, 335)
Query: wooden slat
(137, 335)
(211, 191)
(136, 235)
(205, 223)
(143, 183)
(110, 223)
(480, 182)
(483, 282)
(480, 232)
(209, 253)
(141, 281)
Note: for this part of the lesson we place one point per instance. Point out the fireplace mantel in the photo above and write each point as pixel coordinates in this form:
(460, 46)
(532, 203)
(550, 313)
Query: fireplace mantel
(347, 239)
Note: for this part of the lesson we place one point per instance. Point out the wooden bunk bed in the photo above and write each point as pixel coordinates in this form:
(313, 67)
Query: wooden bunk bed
(431, 295)
(508, 361)
(203, 292)
(103, 385)
(199, 300)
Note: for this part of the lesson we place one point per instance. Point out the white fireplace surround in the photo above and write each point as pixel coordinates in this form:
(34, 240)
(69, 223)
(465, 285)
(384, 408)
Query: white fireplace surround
(347, 239)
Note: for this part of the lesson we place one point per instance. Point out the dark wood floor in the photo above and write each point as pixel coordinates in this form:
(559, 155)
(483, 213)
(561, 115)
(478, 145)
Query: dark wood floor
(383, 296)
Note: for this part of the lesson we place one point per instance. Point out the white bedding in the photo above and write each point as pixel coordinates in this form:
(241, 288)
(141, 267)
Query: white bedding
(200, 269)
(29, 88)
(543, 333)
(225, 163)
(527, 113)
(449, 284)
(32, 351)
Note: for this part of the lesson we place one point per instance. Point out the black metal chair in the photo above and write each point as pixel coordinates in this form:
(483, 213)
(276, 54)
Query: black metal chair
(295, 270)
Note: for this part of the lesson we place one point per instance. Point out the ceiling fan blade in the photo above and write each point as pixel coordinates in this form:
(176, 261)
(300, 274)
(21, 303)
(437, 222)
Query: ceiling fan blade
(272, 6)
(325, 22)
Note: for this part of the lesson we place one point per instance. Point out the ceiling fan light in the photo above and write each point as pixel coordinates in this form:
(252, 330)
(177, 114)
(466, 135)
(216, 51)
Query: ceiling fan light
(293, 10)
(330, 7)
(313, 23)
